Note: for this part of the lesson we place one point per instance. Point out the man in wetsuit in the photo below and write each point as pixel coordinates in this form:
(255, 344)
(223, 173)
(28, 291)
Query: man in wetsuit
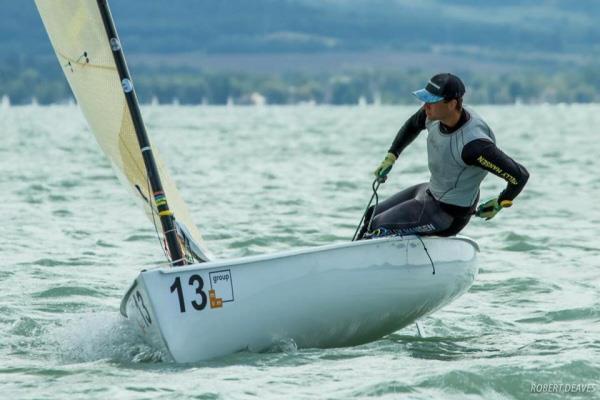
(461, 151)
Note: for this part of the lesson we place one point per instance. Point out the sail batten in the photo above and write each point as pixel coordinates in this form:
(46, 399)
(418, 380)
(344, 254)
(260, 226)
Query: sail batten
(79, 38)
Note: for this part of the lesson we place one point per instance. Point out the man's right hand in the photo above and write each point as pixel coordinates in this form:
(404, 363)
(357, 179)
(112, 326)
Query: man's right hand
(385, 167)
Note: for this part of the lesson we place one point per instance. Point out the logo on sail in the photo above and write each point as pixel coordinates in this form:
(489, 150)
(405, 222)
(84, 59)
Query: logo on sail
(115, 45)
(127, 85)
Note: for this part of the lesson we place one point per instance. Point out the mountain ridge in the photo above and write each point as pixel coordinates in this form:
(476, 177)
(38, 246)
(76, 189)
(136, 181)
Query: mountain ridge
(310, 26)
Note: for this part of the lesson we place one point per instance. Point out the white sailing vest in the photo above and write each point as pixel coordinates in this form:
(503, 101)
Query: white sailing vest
(452, 181)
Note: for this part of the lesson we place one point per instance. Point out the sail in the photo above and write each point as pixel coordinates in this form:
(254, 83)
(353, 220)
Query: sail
(79, 38)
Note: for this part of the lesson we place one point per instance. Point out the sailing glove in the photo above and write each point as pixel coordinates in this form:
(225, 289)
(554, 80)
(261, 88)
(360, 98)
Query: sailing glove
(490, 208)
(385, 167)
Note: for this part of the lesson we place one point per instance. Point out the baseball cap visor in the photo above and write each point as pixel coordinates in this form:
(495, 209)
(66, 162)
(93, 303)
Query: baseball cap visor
(427, 97)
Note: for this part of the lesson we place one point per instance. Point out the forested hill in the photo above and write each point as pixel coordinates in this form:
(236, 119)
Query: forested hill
(258, 26)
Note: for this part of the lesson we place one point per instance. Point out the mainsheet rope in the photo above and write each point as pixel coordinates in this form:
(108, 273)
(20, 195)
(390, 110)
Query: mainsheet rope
(375, 187)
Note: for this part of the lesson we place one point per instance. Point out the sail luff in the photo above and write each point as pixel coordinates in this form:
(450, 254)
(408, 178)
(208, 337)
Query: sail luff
(79, 38)
(160, 199)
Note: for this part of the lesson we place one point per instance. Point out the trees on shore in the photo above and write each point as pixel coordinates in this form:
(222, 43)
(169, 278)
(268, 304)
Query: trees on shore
(46, 85)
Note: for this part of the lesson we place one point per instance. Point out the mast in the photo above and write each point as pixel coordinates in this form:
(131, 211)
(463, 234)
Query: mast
(166, 215)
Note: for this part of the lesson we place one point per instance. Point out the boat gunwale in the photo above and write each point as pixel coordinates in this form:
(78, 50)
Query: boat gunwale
(218, 263)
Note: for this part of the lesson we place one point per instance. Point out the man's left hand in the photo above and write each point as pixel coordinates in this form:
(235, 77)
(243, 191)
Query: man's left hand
(490, 208)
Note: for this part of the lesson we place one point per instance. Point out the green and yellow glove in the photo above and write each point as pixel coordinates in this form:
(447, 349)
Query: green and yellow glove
(385, 167)
(490, 208)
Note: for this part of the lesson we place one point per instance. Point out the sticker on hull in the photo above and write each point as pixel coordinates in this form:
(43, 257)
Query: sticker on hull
(221, 288)
(221, 291)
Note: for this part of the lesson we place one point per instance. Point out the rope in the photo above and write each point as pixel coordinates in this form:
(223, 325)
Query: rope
(375, 186)
(427, 252)
(375, 196)
(162, 245)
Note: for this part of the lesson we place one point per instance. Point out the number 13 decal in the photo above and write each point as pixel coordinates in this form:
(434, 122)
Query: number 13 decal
(198, 282)
(198, 279)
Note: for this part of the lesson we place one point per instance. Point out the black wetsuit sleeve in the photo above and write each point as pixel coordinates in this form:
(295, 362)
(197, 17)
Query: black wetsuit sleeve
(409, 131)
(484, 153)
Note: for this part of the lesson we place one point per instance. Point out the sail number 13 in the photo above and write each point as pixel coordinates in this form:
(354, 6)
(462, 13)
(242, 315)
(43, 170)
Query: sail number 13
(197, 282)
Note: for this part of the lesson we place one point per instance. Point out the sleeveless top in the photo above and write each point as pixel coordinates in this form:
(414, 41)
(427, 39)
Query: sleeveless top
(452, 181)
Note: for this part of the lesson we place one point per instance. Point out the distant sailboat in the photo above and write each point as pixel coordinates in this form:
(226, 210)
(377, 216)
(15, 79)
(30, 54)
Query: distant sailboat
(335, 295)
(377, 99)
(5, 102)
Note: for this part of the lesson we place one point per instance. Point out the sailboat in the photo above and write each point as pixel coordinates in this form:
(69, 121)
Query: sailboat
(200, 307)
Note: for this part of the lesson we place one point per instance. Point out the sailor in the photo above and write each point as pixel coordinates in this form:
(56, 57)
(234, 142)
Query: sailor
(461, 150)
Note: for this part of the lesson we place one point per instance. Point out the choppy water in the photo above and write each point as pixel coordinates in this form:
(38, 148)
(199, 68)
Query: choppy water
(265, 179)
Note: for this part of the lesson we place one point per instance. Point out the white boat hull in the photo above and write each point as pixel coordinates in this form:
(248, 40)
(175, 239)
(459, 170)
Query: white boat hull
(329, 296)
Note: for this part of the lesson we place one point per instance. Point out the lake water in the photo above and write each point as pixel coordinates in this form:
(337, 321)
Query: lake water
(260, 180)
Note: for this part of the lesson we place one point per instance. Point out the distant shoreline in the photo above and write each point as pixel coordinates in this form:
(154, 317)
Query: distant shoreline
(72, 103)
